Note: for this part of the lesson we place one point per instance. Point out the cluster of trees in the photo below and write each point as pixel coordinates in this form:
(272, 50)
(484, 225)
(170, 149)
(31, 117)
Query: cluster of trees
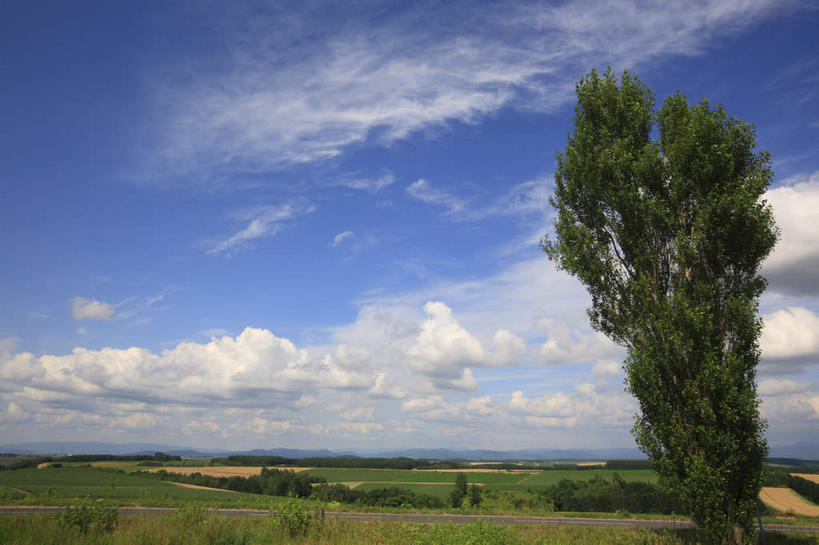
(22, 462)
(461, 491)
(604, 496)
(628, 464)
(345, 462)
(284, 482)
(271, 482)
(806, 488)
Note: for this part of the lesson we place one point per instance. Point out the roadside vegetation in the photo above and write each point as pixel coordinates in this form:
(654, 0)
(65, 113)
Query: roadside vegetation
(293, 524)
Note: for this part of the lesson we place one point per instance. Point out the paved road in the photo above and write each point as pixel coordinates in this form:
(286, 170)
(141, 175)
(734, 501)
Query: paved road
(421, 517)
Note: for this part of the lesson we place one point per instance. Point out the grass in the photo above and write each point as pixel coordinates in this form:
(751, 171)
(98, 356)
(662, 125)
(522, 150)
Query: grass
(196, 528)
(61, 486)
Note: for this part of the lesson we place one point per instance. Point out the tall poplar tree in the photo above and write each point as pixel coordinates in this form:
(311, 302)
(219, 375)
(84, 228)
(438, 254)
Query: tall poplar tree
(668, 236)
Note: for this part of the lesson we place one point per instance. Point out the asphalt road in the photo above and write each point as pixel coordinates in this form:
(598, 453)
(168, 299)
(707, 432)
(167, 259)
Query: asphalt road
(421, 517)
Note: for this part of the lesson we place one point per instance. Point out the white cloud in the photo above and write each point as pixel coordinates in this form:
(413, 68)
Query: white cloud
(277, 95)
(369, 184)
(566, 345)
(264, 222)
(91, 309)
(425, 192)
(778, 387)
(7, 346)
(791, 333)
(341, 237)
(793, 267)
(793, 410)
(444, 351)
(607, 369)
(588, 406)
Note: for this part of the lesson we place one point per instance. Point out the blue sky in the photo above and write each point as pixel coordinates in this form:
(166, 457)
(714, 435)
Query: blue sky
(316, 225)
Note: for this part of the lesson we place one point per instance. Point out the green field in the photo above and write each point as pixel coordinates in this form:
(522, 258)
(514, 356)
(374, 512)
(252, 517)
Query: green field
(71, 482)
(498, 480)
(409, 476)
(58, 485)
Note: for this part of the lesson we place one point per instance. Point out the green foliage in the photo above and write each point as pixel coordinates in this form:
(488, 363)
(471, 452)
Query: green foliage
(775, 477)
(460, 483)
(350, 462)
(293, 518)
(603, 496)
(90, 516)
(668, 236)
(628, 464)
(191, 515)
(804, 487)
(475, 496)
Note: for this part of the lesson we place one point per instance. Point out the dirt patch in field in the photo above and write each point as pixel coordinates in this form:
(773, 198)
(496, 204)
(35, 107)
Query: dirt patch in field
(785, 500)
(221, 471)
(197, 487)
(20, 490)
(591, 464)
(213, 471)
(807, 476)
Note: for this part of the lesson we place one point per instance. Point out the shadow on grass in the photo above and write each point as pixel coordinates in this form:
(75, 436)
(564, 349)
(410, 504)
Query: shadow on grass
(694, 537)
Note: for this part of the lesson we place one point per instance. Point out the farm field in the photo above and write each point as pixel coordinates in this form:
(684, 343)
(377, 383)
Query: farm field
(813, 477)
(60, 485)
(433, 482)
(786, 500)
(213, 471)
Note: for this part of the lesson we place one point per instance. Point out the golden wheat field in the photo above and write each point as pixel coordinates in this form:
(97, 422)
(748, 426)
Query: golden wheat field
(808, 477)
(786, 500)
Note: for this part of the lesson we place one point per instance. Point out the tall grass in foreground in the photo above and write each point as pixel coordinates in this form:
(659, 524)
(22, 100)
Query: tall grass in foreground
(194, 526)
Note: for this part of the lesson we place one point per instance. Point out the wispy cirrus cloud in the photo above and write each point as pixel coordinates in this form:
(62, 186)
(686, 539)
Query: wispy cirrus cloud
(341, 237)
(277, 95)
(263, 222)
(425, 192)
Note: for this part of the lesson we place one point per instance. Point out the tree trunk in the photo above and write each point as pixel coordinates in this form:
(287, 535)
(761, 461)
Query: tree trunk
(739, 534)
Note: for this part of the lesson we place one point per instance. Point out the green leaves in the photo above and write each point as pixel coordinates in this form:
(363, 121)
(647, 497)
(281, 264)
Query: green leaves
(668, 237)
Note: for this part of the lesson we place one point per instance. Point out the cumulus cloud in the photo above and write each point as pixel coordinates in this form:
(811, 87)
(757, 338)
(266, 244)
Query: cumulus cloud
(91, 309)
(793, 410)
(263, 222)
(341, 237)
(574, 345)
(277, 95)
(793, 267)
(778, 387)
(607, 369)
(254, 368)
(444, 351)
(790, 334)
(589, 405)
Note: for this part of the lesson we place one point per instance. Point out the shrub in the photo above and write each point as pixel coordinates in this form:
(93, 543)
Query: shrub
(91, 516)
(293, 518)
(191, 515)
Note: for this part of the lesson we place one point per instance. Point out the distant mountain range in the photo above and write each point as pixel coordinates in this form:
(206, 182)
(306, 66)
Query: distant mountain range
(802, 451)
